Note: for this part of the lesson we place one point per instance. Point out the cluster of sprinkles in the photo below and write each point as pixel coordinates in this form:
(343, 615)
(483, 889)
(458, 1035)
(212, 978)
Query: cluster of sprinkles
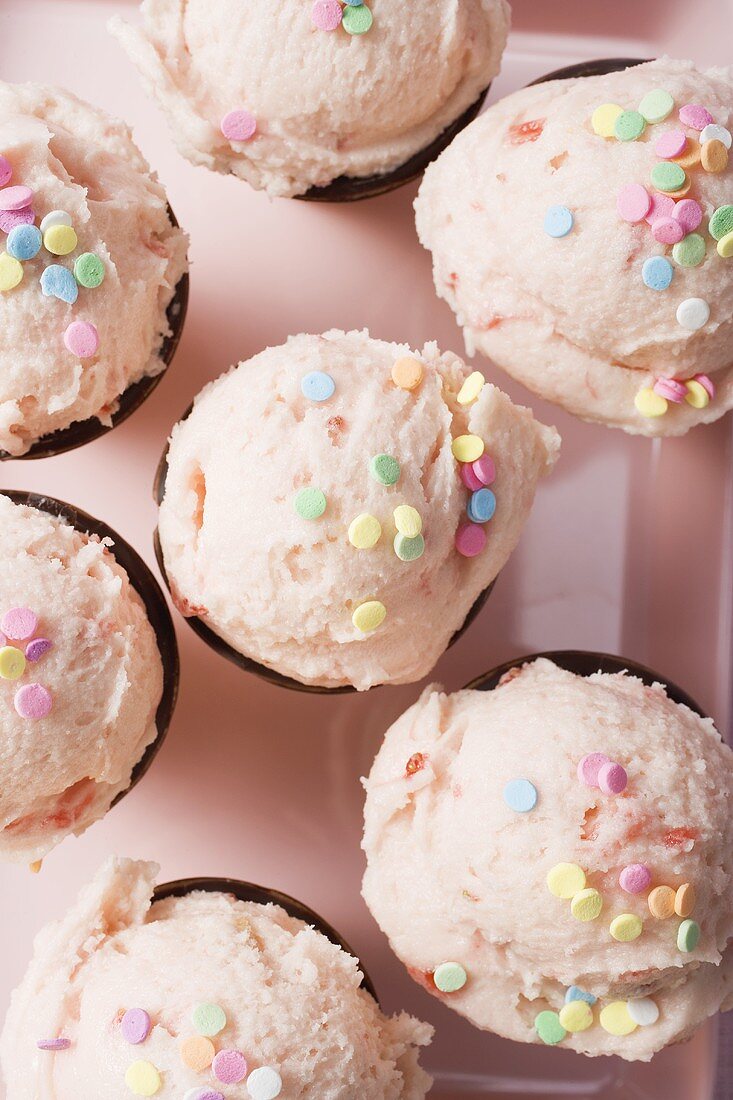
(478, 472)
(57, 236)
(353, 15)
(20, 647)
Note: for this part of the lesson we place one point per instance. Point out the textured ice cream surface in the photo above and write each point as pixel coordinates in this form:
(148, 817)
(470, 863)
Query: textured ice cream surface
(102, 674)
(286, 998)
(326, 104)
(283, 589)
(455, 874)
(572, 317)
(76, 159)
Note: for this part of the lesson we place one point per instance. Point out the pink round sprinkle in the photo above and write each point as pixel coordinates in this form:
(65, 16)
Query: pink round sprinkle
(6, 171)
(469, 478)
(135, 1025)
(19, 623)
(10, 218)
(326, 15)
(470, 540)
(239, 125)
(695, 116)
(635, 879)
(671, 389)
(661, 207)
(612, 778)
(670, 144)
(230, 1067)
(633, 202)
(36, 649)
(688, 213)
(485, 470)
(667, 230)
(706, 383)
(33, 701)
(15, 198)
(82, 339)
(53, 1044)
(589, 767)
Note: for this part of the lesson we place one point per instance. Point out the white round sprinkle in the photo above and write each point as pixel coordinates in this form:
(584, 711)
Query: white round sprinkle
(717, 133)
(643, 1011)
(264, 1083)
(693, 313)
(56, 217)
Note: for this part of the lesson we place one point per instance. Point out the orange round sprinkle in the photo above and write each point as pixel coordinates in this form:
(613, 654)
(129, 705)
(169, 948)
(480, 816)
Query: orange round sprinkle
(714, 156)
(661, 902)
(690, 157)
(197, 1052)
(684, 900)
(407, 373)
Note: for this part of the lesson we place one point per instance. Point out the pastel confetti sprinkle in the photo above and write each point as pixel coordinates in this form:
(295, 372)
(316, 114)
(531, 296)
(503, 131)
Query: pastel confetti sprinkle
(697, 395)
(408, 521)
(89, 270)
(470, 540)
(670, 144)
(565, 879)
(6, 171)
(143, 1079)
(725, 246)
(635, 878)
(11, 272)
(365, 531)
(690, 252)
(714, 156)
(10, 218)
(310, 503)
(520, 795)
(326, 15)
(693, 313)
(716, 133)
(407, 373)
(317, 386)
(548, 1027)
(484, 469)
(19, 623)
(586, 905)
(33, 701)
(661, 902)
(197, 1052)
(707, 384)
(239, 125)
(469, 477)
(15, 198)
(616, 1020)
(688, 213)
(558, 221)
(264, 1083)
(203, 1094)
(385, 469)
(449, 977)
(690, 158)
(684, 899)
(58, 282)
(667, 231)
(369, 616)
(626, 927)
(643, 1011)
(633, 202)
(24, 242)
(229, 1067)
(662, 206)
(12, 663)
(695, 116)
(576, 1016)
(481, 506)
(82, 339)
(357, 20)
(612, 778)
(603, 119)
(409, 549)
(209, 1019)
(135, 1026)
(668, 176)
(589, 767)
(629, 126)
(55, 217)
(721, 222)
(53, 1044)
(467, 448)
(574, 993)
(670, 389)
(471, 388)
(688, 936)
(60, 240)
(656, 105)
(657, 273)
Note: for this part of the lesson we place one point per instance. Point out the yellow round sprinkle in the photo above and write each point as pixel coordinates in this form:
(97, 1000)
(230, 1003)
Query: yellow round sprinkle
(12, 663)
(696, 395)
(11, 272)
(565, 879)
(467, 448)
(725, 246)
(407, 521)
(368, 616)
(365, 531)
(661, 902)
(471, 388)
(60, 240)
(143, 1079)
(626, 927)
(586, 905)
(576, 1016)
(649, 403)
(684, 899)
(407, 373)
(615, 1019)
(197, 1052)
(603, 119)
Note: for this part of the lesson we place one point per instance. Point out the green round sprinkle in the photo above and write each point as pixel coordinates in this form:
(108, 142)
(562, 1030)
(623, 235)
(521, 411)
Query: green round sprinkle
(449, 977)
(385, 469)
(629, 126)
(690, 251)
(209, 1020)
(310, 503)
(656, 105)
(89, 270)
(688, 935)
(548, 1027)
(409, 549)
(721, 223)
(667, 176)
(357, 20)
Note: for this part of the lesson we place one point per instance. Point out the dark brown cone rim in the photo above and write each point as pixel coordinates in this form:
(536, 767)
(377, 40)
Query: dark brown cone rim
(85, 431)
(262, 895)
(356, 188)
(149, 591)
(586, 663)
(600, 67)
(246, 663)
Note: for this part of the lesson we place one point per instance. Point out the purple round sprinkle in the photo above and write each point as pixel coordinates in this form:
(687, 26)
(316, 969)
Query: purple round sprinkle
(203, 1094)
(230, 1067)
(9, 219)
(612, 778)
(135, 1025)
(53, 1044)
(36, 649)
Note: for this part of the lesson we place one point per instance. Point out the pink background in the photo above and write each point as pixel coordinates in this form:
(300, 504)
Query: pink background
(258, 783)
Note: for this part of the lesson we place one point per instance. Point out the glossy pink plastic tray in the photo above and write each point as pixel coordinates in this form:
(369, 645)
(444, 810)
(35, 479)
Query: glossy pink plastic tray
(629, 548)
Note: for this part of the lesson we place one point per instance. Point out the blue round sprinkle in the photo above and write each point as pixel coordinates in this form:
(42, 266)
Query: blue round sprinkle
(657, 273)
(317, 386)
(24, 242)
(558, 221)
(481, 506)
(58, 282)
(576, 994)
(354, 3)
(520, 795)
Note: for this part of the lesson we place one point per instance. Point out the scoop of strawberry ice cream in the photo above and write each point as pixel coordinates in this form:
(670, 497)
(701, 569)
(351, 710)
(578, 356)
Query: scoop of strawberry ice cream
(87, 317)
(539, 895)
(80, 681)
(568, 266)
(203, 993)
